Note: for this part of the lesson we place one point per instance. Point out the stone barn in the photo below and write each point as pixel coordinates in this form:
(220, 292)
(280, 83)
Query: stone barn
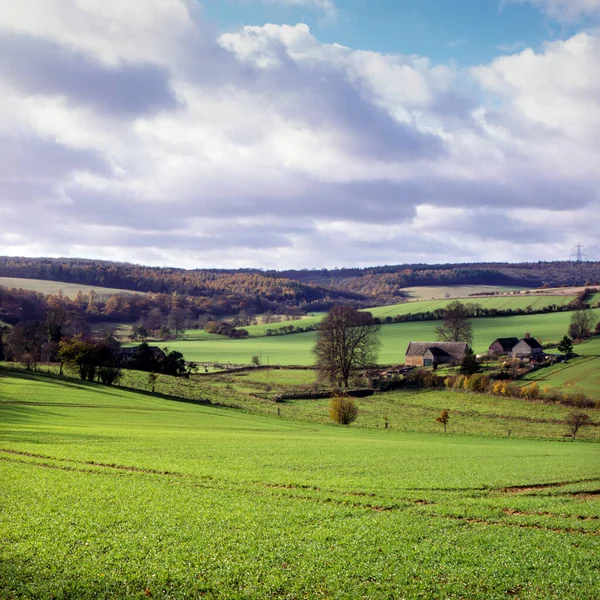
(502, 346)
(528, 347)
(424, 354)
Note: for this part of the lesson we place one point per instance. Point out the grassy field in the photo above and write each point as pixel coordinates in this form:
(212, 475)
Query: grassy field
(578, 375)
(454, 291)
(497, 302)
(52, 287)
(296, 349)
(108, 493)
(406, 308)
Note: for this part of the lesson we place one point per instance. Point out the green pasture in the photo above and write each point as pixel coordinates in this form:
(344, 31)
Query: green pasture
(256, 390)
(296, 349)
(411, 411)
(108, 493)
(535, 302)
(580, 374)
(436, 292)
(52, 287)
(498, 302)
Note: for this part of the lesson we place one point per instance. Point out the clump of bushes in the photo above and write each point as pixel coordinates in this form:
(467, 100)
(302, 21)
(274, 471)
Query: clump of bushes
(424, 378)
(343, 410)
(484, 384)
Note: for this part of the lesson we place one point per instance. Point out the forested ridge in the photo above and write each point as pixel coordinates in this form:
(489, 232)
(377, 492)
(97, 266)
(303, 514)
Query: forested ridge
(309, 288)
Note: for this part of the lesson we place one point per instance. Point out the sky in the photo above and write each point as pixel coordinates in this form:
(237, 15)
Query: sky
(283, 134)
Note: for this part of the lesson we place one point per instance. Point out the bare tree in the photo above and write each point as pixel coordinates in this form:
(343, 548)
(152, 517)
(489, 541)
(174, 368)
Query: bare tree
(177, 320)
(456, 326)
(577, 420)
(581, 325)
(24, 343)
(347, 340)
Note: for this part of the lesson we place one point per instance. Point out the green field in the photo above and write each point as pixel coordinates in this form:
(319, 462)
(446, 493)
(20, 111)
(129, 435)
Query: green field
(578, 375)
(108, 493)
(454, 291)
(296, 349)
(498, 302)
(501, 303)
(52, 287)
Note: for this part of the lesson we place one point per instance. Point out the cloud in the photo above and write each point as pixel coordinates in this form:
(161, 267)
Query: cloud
(566, 10)
(36, 66)
(137, 133)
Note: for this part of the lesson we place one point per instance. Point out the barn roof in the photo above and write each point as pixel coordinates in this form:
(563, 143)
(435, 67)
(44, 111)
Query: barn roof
(506, 343)
(532, 342)
(455, 349)
(435, 351)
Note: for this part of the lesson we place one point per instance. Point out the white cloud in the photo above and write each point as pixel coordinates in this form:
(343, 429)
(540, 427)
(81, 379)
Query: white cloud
(137, 134)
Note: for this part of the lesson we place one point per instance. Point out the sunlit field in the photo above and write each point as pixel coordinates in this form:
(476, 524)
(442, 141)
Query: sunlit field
(110, 493)
(296, 349)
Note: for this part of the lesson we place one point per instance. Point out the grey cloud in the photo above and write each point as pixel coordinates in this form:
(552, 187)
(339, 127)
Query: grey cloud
(315, 94)
(38, 66)
(41, 159)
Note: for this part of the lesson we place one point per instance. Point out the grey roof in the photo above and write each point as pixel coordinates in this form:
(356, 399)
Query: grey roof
(455, 349)
(437, 352)
(531, 342)
(506, 343)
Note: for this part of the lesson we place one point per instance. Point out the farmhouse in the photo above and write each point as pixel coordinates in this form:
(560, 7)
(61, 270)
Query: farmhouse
(528, 347)
(425, 354)
(502, 346)
(133, 350)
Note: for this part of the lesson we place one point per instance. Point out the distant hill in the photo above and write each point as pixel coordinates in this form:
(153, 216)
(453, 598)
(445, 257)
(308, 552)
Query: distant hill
(45, 286)
(310, 290)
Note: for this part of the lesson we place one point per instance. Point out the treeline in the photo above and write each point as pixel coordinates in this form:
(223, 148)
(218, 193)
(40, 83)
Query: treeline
(386, 282)
(227, 291)
(18, 305)
(472, 310)
(217, 291)
(478, 311)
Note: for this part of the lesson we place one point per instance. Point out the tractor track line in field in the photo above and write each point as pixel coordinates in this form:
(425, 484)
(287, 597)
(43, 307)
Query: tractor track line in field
(352, 505)
(487, 523)
(562, 369)
(523, 489)
(519, 513)
(78, 405)
(576, 379)
(94, 463)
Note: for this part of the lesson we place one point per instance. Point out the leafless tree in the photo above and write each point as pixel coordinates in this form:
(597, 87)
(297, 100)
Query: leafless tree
(347, 340)
(577, 420)
(456, 326)
(581, 325)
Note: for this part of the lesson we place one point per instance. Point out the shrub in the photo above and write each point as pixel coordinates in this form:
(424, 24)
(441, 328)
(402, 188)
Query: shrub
(530, 392)
(477, 383)
(431, 380)
(500, 388)
(461, 382)
(450, 381)
(343, 410)
(579, 400)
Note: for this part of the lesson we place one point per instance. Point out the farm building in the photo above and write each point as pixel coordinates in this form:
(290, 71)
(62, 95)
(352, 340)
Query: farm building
(425, 354)
(130, 352)
(502, 346)
(528, 347)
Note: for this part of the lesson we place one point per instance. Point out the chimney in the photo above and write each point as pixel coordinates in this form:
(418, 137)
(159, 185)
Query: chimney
(527, 335)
